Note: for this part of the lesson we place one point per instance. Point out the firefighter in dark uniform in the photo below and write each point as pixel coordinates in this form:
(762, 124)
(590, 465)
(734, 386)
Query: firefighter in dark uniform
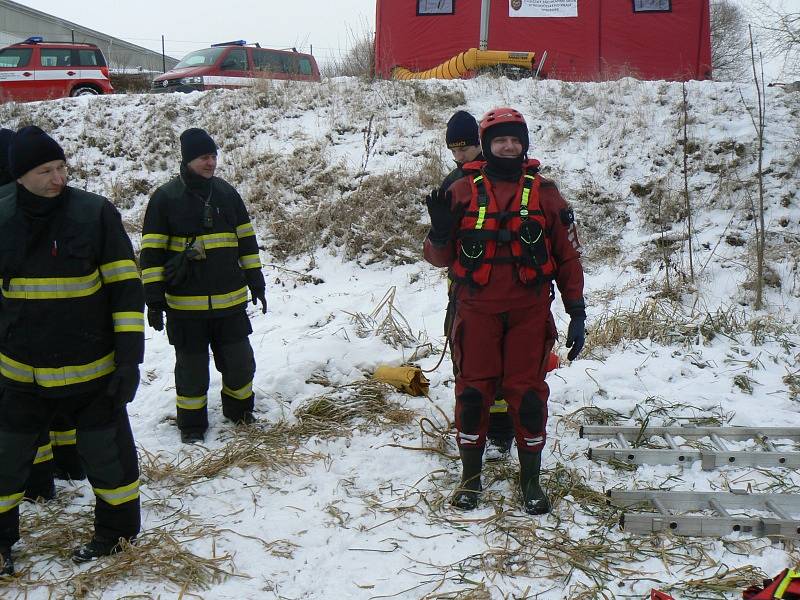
(462, 140)
(506, 235)
(71, 339)
(57, 453)
(199, 257)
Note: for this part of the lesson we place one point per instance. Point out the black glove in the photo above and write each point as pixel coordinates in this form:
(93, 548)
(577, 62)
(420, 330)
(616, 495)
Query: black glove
(155, 317)
(259, 296)
(123, 383)
(576, 333)
(442, 218)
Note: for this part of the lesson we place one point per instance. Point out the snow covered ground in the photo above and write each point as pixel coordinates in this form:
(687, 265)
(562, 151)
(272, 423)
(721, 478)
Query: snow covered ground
(360, 510)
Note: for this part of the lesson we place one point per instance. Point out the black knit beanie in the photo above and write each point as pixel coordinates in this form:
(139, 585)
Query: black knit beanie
(462, 130)
(5, 140)
(29, 148)
(196, 142)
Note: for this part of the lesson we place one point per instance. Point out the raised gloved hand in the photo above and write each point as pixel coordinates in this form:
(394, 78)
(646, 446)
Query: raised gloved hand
(259, 296)
(576, 332)
(442, 217)
(155, 317)
(123, 384)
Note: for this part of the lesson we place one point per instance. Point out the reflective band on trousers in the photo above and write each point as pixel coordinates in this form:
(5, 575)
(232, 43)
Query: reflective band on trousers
(52, 288)
(155, 241)
(128, 322)
(56, 376)
(119, 495)
(250, 261)
(217, 302)
(209, 242)
(191, 402)
(245, 230)
(152, 275)
(43, 454)
(64, 438)
(499, 406)
(243, 393)
(119, 270)
(10, 501)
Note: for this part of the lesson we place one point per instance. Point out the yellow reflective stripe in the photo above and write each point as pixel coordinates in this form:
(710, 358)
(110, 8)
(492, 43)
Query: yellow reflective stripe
(499, 406)
(128, 321)
(243, 393)
(227, 300)
(216, 302)
(17, 371)
(187, 302)
(245, 230)
(250, 261)
(155, 241)
(481, 217)
(43, 454)
(120, 495)
(51, 288)
(219, 240)
(64, 438)
(790, 575)
(119, 270)
(191, 402)
(10, 501)
(152, 275)
(56, 376)
(177, 244)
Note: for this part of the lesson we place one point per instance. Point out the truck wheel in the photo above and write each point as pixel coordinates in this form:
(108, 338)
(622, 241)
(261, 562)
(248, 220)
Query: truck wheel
(84, 90)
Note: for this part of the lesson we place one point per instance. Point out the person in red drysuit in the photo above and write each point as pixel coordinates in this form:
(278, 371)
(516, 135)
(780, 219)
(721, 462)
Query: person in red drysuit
(505, 234)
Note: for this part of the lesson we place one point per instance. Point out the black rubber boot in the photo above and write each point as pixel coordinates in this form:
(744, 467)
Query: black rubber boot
(466, 496)
(534, 500)
(94, 550)
(193, 436)
(6, 562)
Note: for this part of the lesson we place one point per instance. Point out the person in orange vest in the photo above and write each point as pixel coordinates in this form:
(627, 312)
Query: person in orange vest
(507, 236)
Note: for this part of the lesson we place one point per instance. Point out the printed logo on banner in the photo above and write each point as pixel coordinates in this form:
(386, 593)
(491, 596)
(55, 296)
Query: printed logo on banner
(543, 8)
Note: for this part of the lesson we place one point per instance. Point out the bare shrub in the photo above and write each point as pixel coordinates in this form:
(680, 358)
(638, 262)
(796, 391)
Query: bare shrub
(782, 27)
(728, 41)
(357, 61)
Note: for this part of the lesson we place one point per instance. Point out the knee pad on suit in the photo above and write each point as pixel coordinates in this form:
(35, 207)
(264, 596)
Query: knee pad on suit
(531, 413)
(471, 410)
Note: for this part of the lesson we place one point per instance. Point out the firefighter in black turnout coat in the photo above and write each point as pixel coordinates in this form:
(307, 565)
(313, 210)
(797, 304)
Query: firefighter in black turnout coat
(71, 338)
(199, 257)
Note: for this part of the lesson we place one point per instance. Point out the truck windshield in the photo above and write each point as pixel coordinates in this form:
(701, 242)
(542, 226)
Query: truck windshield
(201, 58)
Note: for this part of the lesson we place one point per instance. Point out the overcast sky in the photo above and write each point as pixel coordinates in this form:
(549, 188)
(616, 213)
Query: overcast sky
(188, 25)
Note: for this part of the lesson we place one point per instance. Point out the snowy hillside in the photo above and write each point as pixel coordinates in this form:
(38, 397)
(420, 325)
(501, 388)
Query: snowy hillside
(341, 490)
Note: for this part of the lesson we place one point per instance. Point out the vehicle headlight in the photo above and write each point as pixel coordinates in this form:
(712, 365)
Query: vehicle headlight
(192, 80)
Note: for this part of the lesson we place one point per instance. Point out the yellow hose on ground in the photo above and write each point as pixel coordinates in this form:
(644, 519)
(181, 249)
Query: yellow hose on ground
(461, 64)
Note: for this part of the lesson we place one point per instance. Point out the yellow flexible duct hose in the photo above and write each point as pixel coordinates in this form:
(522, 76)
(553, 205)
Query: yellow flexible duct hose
(461, 64)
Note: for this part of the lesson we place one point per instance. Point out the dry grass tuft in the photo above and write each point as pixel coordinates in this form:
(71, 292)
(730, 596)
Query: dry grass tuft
(392, 327)
(364, 403)
(157, 555)
(264, 450)
(668, 322)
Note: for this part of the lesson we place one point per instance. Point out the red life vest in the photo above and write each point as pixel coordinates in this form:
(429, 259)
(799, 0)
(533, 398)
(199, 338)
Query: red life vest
(523, 227)
(785, 586)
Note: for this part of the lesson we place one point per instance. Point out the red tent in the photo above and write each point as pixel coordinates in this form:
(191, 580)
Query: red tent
(585, 39)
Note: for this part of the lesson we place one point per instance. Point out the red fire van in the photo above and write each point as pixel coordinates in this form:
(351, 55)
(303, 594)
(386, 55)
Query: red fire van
(233, 65)
(39, 70)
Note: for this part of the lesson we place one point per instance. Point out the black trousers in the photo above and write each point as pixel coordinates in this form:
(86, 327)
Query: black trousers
(104, 444)
(233, 357)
